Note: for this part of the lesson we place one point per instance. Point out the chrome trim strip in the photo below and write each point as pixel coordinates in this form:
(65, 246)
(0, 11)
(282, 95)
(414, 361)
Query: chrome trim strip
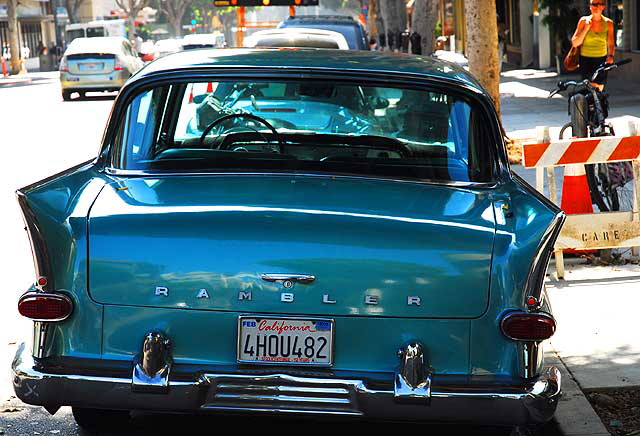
(290, 389)
(531, 359)
(538, 271)
(141, 173)
(282, 277)
(40, 342)
(282, 398)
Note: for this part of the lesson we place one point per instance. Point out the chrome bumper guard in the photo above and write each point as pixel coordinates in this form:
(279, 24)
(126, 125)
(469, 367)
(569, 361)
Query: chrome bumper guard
(530, 403)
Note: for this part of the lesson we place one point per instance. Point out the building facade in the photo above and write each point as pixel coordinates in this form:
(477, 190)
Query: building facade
(35, 25)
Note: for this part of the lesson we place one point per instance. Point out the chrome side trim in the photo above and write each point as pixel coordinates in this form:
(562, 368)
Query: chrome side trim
(40, 340)
(297, 278)
(538, 271)
(530, 363)
(152, 366)
(142, 173)
(413, 380)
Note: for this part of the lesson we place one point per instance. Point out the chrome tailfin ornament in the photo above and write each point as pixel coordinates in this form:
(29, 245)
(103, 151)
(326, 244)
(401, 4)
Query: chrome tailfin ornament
(152, 366)
(413, 380)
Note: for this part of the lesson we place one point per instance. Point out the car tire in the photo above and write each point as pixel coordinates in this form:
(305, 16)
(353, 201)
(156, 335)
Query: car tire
(66, 96)
(98, 420)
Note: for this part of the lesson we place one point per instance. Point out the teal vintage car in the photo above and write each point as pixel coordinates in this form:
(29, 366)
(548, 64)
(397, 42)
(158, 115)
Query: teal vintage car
(288, 231)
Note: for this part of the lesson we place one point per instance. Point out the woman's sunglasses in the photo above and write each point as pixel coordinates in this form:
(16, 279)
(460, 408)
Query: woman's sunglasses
(597, 4)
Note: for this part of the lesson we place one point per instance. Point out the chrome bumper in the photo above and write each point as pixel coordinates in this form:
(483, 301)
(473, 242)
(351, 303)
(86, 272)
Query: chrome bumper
(532, 403)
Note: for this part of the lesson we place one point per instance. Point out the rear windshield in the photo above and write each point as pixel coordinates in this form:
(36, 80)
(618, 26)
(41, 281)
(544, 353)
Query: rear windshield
(293, 41)
(306, 126)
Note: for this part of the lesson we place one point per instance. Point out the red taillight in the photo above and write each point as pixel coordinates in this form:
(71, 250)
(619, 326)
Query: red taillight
(119, 65)
(45, 307)
(528, 326)
(64, 66)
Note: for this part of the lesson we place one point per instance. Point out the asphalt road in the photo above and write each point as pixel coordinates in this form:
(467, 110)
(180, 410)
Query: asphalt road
(39, 136)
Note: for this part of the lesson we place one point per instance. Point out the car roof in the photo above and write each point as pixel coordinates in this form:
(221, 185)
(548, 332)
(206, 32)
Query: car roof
(309, 59)
(296, 35)
(98, 44)
(351, 29)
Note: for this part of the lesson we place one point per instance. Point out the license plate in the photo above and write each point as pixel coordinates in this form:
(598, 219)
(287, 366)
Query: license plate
(91, 66)
(285, 341)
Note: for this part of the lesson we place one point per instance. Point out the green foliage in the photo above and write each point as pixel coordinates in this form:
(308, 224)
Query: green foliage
(561, 21)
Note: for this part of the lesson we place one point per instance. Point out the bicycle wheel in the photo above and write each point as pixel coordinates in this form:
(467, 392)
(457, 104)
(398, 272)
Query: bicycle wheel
(597, 177)
(621, 180)
(603, 193)
(579, 111)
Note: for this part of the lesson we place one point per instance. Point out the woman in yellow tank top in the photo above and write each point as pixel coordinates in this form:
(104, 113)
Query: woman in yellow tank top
(595, 37)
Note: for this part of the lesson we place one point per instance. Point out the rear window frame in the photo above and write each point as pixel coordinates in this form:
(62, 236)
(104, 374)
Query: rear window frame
(108, 158)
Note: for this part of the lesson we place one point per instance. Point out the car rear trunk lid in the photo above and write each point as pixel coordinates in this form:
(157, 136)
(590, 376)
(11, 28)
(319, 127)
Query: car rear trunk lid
(375, 247)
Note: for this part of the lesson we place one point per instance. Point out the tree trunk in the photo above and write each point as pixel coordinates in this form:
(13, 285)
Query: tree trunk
(394, 15)
(482, 45)
(177, 27)
(14, 46)
(175, 12)
(423, 26)
(72, 7)
(131, 8)
(372, 25)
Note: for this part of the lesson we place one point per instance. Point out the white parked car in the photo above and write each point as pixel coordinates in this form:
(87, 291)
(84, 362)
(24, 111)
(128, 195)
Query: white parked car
(297, 37)
(97, 64)
(203, 40)
(166, 46)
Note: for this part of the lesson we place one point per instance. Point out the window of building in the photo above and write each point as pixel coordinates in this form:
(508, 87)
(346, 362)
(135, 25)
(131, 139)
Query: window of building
(31, 39)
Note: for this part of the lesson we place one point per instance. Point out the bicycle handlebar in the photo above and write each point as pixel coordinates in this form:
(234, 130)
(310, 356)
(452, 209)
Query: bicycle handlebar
(562, 86)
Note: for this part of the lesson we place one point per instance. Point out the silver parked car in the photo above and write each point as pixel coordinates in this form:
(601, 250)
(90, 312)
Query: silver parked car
(97, 64)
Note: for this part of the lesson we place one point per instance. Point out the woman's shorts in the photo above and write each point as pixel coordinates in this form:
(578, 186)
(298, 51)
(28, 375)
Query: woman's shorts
(589, 65)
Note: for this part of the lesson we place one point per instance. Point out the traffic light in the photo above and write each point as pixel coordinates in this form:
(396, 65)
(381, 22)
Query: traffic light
(265, 2)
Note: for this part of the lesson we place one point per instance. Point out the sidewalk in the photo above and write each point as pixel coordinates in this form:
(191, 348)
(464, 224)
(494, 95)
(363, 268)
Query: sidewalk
(596, 344)
(29, 78)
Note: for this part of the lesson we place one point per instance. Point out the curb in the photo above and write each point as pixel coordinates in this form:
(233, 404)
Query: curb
(14, 81)
(574, 416)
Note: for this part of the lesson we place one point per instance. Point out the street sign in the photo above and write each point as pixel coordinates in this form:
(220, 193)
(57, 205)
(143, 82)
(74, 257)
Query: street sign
(265, 2)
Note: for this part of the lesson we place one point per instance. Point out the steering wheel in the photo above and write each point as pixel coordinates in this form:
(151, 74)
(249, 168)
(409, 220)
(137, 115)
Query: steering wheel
(241, 115)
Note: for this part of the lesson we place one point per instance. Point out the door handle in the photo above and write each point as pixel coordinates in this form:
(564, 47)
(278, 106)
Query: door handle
(297, 278)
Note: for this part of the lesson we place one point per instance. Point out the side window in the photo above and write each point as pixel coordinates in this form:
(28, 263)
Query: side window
(139, 131)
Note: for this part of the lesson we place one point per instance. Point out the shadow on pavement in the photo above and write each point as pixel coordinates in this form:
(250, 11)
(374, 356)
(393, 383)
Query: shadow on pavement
(30, 420)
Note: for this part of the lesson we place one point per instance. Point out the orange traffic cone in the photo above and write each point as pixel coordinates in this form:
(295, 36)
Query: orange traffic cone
(575, 190)
(576, 197)
(191, 95)
(209, 88)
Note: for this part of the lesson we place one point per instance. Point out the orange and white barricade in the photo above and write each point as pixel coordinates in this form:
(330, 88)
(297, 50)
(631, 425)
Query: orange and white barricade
(584, 230)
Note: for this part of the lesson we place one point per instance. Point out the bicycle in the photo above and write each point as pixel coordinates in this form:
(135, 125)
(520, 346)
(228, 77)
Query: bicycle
(610, 184)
